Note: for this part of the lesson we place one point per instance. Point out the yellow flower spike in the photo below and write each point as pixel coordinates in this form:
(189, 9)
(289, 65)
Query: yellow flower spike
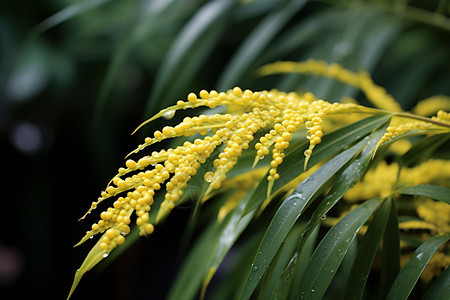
(443, 116)
(277, 115)
(440, 261)
(431, 105)
(379, 182)
(394, 131)
(409, 225)
(377, 95)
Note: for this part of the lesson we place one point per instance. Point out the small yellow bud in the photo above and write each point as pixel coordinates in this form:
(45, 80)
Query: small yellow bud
(149, 228)
(204, 94)
(237, 92)
(130, 164)
(192, 98)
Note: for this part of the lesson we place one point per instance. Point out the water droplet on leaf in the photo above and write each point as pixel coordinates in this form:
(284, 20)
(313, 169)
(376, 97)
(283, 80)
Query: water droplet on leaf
(168, 115)
(208, 176)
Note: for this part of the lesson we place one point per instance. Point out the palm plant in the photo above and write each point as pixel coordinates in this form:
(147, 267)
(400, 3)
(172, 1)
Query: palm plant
(298, 197)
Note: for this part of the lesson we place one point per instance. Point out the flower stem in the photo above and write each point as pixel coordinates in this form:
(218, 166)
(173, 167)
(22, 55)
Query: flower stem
(370, 110)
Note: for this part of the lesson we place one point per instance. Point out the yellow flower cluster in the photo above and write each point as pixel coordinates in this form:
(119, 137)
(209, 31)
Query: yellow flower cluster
(278, 114)
(436, 219)
(436, 213)
(437, 264)
(380, 181)
(442, 116)
(432, 105)
(394, 131)
(374, 93)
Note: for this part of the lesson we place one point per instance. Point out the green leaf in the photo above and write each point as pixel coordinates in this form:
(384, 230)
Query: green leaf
(329, 253)
(367, 250)
(204, 26)
(296, 266)
(192, 272)
(256, 42)
(432, 191)
(288, 213)
(346, 180)
(390, 255)
(129, 39)
(421, 149)
(280, 261)
(410, 273)
(231, 229)
(93, 258)
(343, 183)
(67, 13)
(331, 144)
(440, 289)
(293, 38)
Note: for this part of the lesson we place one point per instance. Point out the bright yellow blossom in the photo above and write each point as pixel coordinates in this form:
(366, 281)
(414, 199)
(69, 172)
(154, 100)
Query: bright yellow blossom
(267, 122)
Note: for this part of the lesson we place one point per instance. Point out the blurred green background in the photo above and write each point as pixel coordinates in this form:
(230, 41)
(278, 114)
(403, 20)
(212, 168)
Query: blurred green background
(77, 77)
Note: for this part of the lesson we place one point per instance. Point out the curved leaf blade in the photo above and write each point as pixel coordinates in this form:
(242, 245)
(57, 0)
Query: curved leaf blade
(367, 251)
(390, 254)
(296, 267)
(343, 183)
(280, 261)
(422, 149)
(256, 42)
(331, 144)
(92, 259)
(431, 191)
(67, 13)
(206, 21)
(440, 289)
(410, 273)
(230, 231)
(330, 252)
(187, 281)
(288, 213)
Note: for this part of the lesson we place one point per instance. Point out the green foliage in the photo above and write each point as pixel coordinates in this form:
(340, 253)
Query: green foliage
(298, 244)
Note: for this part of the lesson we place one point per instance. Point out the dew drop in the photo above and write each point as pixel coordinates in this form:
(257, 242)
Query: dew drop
(255, 269)
(323, 218)
(309, 135)
(313, 290)
(105, 255)
(208, 176)
(419, 256)
(261, 157)
(91, 237)
(168, 115)
(309, 125)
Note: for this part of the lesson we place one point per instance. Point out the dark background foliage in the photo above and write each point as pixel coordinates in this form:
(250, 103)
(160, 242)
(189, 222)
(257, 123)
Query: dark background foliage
(71, 94)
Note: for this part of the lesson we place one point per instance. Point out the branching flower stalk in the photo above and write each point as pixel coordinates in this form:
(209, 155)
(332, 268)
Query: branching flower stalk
(273, 116)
